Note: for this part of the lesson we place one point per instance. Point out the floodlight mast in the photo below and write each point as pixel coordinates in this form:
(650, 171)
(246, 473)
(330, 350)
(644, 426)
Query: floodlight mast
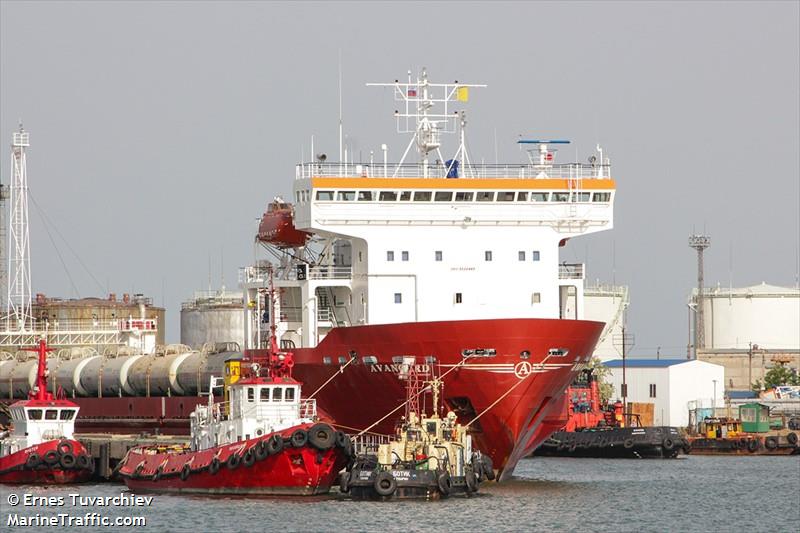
(428, 125)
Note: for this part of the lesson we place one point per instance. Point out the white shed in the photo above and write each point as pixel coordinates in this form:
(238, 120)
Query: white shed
(669, 384)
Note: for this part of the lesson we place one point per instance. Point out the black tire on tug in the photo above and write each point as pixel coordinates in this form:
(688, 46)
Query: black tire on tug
(472, 482)
(185, 472)
(792, 438)
(275, 444)
(445, 483)
(322, 437)
(753, 445)
(67, 461)
(33, 460)
(385, 484)
(213, 466)
(488, 467)
(261, 450)
(344, 482)
(299, 438)
(51, 457)
(628, 444)
(771, 442)
(138, 471)
(65, 446)
(249, 458)
(83, 461)
(233, 461)
(477, 466)
(668, 444)
(341, 437)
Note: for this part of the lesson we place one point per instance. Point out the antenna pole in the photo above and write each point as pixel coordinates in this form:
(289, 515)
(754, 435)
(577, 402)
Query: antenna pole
(18, 301)
(341, 131)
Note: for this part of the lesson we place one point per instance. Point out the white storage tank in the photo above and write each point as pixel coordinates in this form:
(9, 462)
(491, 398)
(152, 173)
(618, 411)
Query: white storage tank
(766, 315)
(606, 303)
(109, 374)
(212, 317)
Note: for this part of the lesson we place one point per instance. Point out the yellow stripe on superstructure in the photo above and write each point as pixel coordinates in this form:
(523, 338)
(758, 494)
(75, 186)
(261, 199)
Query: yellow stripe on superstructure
(497, 184)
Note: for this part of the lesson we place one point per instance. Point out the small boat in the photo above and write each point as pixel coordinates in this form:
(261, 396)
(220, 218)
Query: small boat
(277, 226)
(430, 458)
(264, 440)
(607, 431)
(39, 449)
(726, 436)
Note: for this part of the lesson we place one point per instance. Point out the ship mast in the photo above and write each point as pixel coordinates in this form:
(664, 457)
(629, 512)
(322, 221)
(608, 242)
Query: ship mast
(19, 268)
(39, 391)
(419, 98)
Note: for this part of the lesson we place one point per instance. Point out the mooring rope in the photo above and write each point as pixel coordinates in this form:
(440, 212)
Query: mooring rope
(340, 371)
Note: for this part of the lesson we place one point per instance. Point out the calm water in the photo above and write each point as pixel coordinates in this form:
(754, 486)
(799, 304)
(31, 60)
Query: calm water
(688, 494)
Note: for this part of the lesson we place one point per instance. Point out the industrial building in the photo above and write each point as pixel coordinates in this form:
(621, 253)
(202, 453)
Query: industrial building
(749, 330)
(669, 384)
(213, 317)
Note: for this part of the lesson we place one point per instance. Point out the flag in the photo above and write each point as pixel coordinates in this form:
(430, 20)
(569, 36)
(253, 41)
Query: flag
(412, 92)
(462, 94)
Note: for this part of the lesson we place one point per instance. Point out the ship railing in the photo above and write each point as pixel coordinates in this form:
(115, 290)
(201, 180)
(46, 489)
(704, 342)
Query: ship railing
(295, 314)
(570, 171)
(259, 274)
(368, 443)
(11, 324)
(570, 271)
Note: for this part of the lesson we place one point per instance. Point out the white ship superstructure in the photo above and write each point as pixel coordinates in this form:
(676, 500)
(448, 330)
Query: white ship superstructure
(439, 239)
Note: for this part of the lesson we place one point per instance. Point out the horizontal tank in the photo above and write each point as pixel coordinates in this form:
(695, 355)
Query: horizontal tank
(108, 375)
(18, 376)
(156, 374)
(68, 375)
(194, 373)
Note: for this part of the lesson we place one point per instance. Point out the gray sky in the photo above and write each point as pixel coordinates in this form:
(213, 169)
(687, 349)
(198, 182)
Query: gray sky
(160, 131)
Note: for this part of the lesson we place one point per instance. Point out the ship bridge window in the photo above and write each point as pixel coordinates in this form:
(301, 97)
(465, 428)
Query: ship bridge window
(405, 196)
(34, 414)
(437, 255)
(536, 298)
(539, 196)
(464, 197)
(51, 414)
(67, 414)
(561, 197)
(535, 255)
(505, 196)
(422, 196)
(388, 196)
(264, 394)
(369, 359)
(390, 255)
(404, 255)
(521, 255)
(522, 196)
(325, 195)
(443, 196)
(601, 197)
(364, 196)
(557, 352)
(251, 394)
(346, 196)
(289, 396)
(485, 196)
(398, 298)
(277, 392)
(581, 196)
(487, 255)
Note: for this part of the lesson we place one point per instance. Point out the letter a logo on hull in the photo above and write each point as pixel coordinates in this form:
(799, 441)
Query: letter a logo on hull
(522, 369)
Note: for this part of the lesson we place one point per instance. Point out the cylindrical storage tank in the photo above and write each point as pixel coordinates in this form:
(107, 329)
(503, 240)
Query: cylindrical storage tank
(6, 368)
(68, 375)
(110, 374)
(156, 374)
(194, 374)
(214, 318)
(22, 377)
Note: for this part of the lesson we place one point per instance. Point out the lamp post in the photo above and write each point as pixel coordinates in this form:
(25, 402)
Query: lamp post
(714, 399)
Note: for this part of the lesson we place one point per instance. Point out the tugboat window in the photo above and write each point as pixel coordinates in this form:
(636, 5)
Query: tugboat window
(486, 196)
(487, 255)
(390, 256)
(652, 390)
(325, 195)
(522, 196)
(404, 256)
(405, 196)
(51, 414)
(34, 414)
(289, 394)
(422, 196)
(443, 196)
(458, 297)
(277, 392)
(364, 196)
(505, 196)
(539, 196)
(535, 255)
(67, 414)
(347, 196)
(251, 394)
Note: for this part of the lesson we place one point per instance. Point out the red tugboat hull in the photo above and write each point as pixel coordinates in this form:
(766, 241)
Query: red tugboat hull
(292, 471)
(520, 416)
(18, 468)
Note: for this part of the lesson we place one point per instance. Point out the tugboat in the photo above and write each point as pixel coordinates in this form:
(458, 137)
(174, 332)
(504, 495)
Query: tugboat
(264, 440)
(40, 448)
(430, 458)
(607, 432)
